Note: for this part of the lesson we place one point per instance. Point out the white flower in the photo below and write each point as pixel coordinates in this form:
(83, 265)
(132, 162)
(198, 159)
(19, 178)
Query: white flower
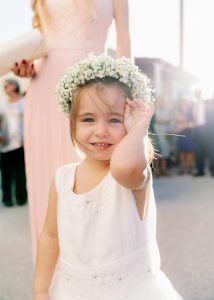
(102, 66)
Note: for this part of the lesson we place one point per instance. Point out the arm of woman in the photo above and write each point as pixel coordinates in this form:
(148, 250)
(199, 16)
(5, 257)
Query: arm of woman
(29, 68)
(48, 249)
(122, 27)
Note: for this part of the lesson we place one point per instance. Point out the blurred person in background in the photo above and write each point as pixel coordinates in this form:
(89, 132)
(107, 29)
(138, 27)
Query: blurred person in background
(12, 151)
(71, 30)
(199, 134)
(210, 133)
(3, 132)
(184, 124)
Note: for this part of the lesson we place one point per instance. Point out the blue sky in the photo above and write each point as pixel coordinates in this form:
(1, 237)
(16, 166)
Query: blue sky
(154, 26)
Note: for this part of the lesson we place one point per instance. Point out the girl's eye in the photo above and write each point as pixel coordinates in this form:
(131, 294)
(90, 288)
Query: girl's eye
(115, 121)
(88, 120)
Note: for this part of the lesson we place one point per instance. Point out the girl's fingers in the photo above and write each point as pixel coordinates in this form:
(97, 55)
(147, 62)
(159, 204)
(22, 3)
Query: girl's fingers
(151, 108)
(150, 111)
(128, 101)
(139, 105)
(127, 109)
(133, 105)
(136, 103)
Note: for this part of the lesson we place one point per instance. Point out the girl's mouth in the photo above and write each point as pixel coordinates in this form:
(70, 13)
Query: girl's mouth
(101, 146)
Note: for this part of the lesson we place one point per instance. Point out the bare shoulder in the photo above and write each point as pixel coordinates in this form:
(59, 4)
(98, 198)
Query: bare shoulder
(52, 199)
(50, 224)
(120, 3)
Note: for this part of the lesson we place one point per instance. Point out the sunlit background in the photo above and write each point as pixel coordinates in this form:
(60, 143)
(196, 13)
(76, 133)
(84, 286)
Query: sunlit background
(185, 223)
(155, 32)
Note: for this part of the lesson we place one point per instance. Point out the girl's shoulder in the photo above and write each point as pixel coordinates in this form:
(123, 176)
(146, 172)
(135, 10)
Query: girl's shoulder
(66, 167)
(64, 173)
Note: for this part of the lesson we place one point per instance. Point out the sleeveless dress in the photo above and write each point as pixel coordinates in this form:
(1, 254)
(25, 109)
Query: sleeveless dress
(106, 251)
(69, 36)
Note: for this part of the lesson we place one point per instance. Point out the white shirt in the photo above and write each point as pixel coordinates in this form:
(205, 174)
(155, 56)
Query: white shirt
(13, 116)
(199, 113)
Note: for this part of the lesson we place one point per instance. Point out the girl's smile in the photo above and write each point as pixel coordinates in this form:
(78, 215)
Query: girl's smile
(101, 146)
(99, 126)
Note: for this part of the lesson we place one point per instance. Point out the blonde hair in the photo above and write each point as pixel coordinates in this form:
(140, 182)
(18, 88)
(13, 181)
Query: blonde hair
(39, 9)
(100, 83)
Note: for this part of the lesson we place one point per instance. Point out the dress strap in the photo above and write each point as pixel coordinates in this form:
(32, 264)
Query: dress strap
(64, 175)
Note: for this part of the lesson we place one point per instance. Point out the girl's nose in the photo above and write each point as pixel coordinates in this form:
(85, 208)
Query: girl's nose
(101, 130)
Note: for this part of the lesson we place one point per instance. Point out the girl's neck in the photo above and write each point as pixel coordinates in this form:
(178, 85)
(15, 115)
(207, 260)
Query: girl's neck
(96, 165)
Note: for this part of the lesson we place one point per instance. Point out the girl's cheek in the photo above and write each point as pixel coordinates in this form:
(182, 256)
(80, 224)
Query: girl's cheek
(84, 133)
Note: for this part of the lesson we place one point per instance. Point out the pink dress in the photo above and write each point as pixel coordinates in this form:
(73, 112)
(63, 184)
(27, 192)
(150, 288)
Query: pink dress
(70, 36)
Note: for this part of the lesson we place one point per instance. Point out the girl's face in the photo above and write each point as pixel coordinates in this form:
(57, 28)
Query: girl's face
(99, 122)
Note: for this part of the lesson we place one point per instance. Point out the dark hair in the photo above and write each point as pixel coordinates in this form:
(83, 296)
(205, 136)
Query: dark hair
(15, 83)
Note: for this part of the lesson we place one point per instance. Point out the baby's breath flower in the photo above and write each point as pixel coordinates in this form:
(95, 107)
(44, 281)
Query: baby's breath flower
(102, 66)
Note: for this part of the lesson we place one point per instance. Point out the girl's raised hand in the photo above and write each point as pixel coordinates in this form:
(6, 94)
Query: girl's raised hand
(24, 69)
(137, 114)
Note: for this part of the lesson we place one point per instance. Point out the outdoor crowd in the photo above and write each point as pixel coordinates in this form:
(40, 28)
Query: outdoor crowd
(183, 136)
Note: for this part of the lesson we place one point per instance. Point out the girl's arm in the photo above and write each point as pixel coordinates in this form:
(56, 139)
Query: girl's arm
(122, 27)
(130, 162)
(48, 250)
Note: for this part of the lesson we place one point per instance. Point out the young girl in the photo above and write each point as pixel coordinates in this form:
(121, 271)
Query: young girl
(101, 219)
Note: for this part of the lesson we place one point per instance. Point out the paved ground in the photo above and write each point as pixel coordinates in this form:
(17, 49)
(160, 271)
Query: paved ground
(185, 234)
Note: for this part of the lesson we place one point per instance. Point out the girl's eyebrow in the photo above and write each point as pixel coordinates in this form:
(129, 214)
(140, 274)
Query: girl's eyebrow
(85, 114)
(92, 114)
(112, 113)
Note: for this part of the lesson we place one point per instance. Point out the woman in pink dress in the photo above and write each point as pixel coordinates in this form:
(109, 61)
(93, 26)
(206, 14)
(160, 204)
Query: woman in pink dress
(71, 29)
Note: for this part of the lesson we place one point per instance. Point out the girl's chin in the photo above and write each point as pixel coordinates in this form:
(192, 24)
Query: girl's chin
(99, 156)
(102, 157)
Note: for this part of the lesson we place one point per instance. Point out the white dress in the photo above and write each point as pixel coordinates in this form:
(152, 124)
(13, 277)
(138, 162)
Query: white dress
(106, 251)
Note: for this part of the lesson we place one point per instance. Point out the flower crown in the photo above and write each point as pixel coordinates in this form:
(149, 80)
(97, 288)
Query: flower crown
(122, 69)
